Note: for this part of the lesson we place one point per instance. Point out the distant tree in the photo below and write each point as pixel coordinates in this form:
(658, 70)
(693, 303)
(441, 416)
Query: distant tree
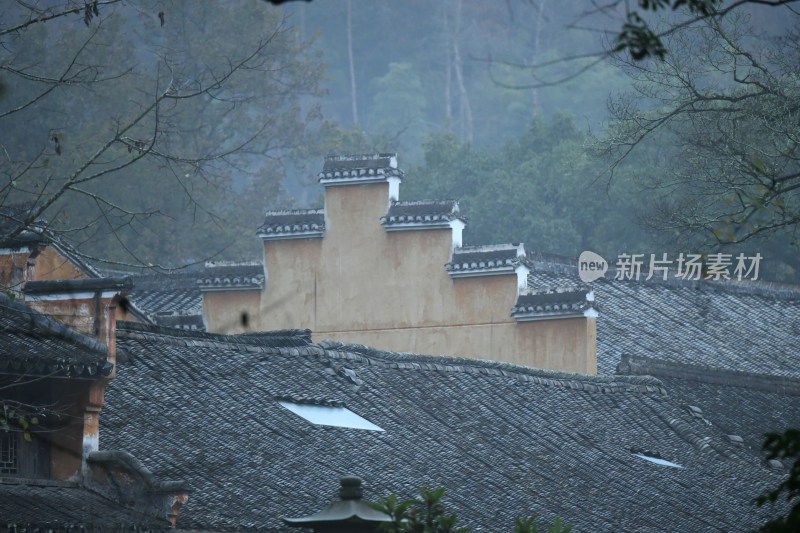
(134, 123)
(784, 447)
(726, 104)
(541, 189)
(641, 40)
(398, 106)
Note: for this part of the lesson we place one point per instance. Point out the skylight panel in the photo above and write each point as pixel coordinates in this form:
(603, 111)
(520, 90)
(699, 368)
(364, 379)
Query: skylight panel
(326, 415)
(657, 460)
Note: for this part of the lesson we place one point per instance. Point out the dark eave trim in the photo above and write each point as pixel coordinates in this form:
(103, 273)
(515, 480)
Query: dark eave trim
(78, 285)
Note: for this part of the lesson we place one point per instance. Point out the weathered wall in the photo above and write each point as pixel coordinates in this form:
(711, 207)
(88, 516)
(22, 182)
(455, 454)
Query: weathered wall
(84, 315)
(50, 265)
(40, 265)
(390, 290)
(232, 311)
(12, 270)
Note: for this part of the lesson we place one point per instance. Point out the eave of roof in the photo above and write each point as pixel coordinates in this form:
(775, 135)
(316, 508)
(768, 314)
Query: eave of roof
(38, 505)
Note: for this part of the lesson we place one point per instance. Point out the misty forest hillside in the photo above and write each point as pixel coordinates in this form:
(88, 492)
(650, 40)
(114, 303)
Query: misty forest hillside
(158, 133)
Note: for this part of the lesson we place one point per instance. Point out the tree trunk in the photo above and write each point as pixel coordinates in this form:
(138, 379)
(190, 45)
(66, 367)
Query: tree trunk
(353, 97)
(464, 109)
(448, 72)
(534, 58)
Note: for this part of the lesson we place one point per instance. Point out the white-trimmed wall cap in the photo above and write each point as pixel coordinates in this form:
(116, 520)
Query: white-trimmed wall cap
(422, 213)
(556, 303)
(343, 169)
(485, 260)
(292, 224)
(230, 275)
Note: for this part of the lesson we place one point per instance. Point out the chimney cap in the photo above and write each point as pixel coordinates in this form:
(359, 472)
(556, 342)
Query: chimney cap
(350, 510)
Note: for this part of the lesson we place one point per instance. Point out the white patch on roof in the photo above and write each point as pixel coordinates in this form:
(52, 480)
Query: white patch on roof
(658, 460)
(325, 415)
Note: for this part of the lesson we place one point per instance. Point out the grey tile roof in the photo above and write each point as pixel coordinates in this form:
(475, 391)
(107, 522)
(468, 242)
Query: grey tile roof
(32, 343)
(180, 321)
(168, 293)
(484, 259)
(743, 327)
(741, 404)
(52, 506)
(295, 223)
(504, 440)
(421, 213)
(232, 276)
(366, 167)
(176, 300)
(554, 303)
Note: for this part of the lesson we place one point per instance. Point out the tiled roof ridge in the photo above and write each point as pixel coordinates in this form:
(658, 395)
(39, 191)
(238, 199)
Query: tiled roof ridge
(445, 201)
(38, 322)
(292, 223)
(253, 341)
(277, 212)
(421, 213)
(488, 247)
(215, 264)
(360, 157)
(359, 168)
(557, 289)
(640, 365)
(445, 363)
(569, 266)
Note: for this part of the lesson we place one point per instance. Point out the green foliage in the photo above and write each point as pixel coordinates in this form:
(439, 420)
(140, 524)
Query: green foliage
(640, 40)
(18, 419)
(169, 130)
(541, 189)
(786, 448)
(398, 107)
(723, 110)
(427, 514)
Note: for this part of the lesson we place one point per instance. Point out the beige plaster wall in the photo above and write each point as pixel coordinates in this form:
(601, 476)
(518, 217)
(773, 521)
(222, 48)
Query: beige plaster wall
(232, 311)
(50, 265)
(390, 290)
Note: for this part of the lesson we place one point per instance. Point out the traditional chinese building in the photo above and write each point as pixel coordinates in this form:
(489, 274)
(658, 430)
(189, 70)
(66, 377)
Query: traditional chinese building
(373, 269)
(53, 475)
